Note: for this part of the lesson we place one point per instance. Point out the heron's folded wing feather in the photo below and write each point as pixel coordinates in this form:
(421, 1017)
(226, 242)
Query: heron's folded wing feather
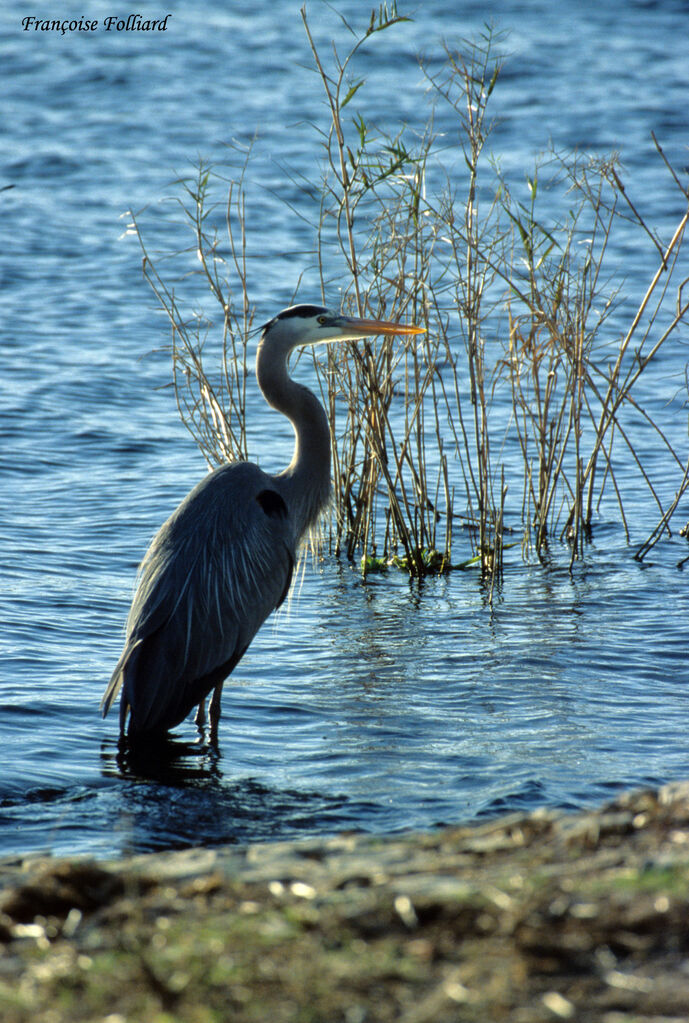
(213, 574)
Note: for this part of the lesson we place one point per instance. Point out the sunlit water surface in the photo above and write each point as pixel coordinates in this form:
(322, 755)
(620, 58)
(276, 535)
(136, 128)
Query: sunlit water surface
(378, 705)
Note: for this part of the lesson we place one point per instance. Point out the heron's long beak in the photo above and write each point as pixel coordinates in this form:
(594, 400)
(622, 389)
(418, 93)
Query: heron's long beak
(352, 327)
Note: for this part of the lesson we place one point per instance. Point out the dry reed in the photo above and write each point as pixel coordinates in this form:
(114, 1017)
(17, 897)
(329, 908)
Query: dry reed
(516, 317)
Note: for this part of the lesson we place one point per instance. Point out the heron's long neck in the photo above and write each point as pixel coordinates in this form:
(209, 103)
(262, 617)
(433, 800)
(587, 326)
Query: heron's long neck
(306, 480)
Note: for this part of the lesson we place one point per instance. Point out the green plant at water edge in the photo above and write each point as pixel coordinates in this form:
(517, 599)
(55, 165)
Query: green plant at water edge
(400, 255)
(517, 314)
(211, 405)
(569, 388)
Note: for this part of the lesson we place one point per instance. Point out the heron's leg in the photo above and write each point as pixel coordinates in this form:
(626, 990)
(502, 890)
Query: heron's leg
(124, 711)
(200, 718)
(214, 712)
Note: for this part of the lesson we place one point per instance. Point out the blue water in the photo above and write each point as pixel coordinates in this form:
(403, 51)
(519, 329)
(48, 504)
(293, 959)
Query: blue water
(378, 705)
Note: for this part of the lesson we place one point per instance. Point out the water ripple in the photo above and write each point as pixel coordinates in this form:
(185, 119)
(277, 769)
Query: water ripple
(378, 705)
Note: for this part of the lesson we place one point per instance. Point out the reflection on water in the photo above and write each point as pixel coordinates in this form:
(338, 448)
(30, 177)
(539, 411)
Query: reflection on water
(176, 796)
(165, 759)
(372, 706)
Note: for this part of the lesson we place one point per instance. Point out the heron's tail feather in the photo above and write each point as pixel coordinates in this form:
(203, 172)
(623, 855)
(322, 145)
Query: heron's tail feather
(115, 683)
(110, 694)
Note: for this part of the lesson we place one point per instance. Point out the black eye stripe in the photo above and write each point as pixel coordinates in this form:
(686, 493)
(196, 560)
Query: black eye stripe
(302, 310)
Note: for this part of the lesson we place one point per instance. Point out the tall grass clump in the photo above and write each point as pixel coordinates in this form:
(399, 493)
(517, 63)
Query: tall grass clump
(518, 354)
(211, 403)
(412, 458)
(570, 387)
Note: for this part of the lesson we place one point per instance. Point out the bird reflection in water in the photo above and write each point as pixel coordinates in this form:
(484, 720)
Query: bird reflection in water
(163, 758)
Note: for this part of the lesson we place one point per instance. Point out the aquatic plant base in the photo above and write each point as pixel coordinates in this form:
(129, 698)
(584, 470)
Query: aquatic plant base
(531, 917)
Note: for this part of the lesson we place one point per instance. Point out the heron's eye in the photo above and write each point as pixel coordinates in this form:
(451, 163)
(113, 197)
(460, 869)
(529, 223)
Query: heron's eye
(322, 320)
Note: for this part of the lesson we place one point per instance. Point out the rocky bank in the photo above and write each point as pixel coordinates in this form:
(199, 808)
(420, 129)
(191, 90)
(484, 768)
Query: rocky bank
(529, 918)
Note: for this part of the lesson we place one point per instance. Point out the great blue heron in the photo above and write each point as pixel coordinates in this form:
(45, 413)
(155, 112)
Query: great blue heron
(223, 560)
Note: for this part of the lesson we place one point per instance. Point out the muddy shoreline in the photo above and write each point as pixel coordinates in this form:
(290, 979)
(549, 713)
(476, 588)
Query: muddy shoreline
(526, 918)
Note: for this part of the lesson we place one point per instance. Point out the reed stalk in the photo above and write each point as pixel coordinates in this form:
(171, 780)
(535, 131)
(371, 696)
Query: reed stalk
(516, 318)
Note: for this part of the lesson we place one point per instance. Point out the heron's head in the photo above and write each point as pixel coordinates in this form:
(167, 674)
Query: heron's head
(313, 324)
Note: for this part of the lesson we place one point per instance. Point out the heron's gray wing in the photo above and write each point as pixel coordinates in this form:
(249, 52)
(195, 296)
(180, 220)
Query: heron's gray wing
(215, 571)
